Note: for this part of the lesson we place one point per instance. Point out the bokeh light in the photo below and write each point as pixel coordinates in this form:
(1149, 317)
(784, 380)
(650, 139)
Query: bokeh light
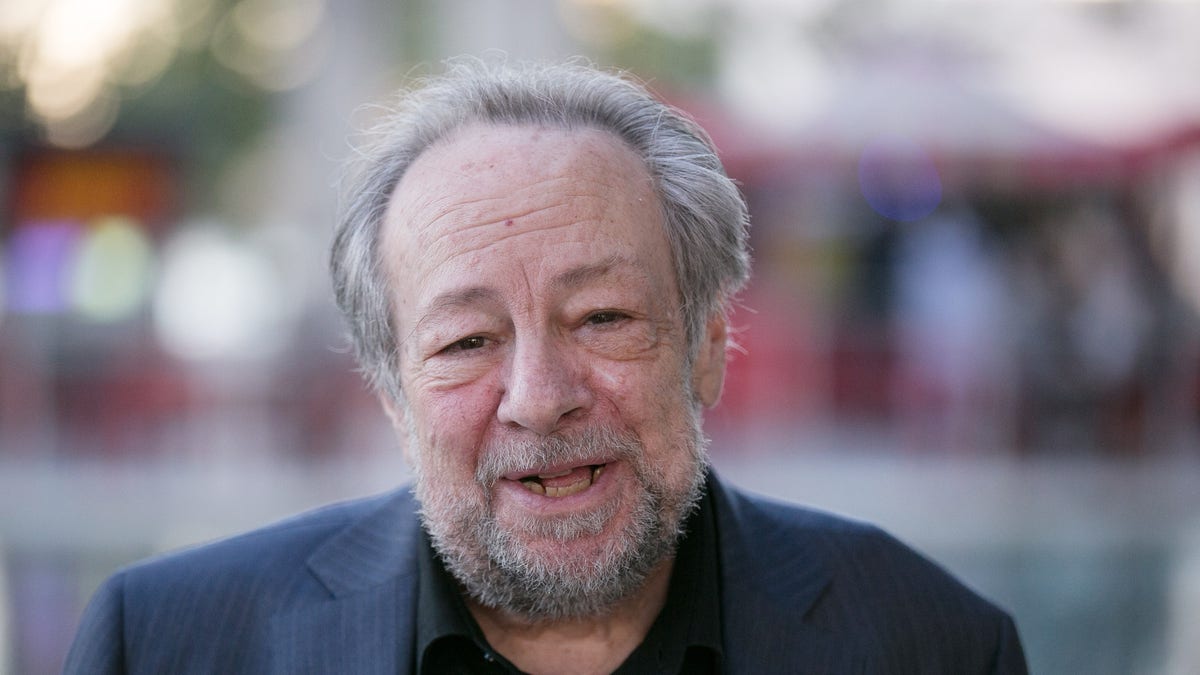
(79, 61)
(40, 256)
(71, 54)
(899, 179)
(112, 275)
(263, 41)
(217, 298)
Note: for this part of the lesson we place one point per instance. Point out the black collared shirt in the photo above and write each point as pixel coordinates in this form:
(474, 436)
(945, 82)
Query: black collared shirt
(684, 638)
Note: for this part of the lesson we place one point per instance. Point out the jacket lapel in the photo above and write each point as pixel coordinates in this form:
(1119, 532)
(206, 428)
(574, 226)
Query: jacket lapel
(770, 581)
(366, 623)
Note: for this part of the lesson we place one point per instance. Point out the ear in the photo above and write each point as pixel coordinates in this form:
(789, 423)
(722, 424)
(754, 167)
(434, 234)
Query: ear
(708, 372)
(395, 413)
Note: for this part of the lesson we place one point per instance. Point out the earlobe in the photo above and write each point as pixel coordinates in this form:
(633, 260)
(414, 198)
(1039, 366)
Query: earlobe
(708, 372)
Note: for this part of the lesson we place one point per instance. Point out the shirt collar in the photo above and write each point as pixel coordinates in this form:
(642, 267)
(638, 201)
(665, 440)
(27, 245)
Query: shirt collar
(441, 612)
(698, 552)
(690, 621)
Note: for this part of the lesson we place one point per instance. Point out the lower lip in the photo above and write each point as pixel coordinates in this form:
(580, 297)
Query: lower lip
(600, 491)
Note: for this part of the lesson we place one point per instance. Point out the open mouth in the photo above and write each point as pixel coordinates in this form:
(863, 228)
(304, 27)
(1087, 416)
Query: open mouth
(563, 483)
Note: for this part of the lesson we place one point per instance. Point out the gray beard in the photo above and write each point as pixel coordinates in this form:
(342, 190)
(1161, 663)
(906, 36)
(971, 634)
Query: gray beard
(497, 570)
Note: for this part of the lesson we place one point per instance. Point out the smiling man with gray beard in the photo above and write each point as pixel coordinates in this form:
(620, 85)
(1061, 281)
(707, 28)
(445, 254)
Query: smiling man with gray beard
(536, 264)
(493, 565)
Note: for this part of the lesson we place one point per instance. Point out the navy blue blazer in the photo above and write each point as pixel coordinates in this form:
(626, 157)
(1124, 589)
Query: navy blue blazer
(334, 591)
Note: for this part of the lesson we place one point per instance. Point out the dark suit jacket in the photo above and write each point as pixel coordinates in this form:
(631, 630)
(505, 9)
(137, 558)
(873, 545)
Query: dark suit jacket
(334, 591)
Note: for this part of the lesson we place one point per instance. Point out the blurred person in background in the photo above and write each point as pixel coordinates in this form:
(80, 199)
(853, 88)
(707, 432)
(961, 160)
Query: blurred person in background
(536, 263)
(1088, 335)
(951, 310)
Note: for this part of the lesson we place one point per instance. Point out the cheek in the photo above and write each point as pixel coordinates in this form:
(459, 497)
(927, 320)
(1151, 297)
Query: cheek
(613, 380)
(654, 402)
(647, 397)
(451, 426)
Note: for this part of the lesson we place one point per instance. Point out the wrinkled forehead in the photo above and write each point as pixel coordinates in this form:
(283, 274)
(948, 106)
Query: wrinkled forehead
(479, 161)
(486, 175)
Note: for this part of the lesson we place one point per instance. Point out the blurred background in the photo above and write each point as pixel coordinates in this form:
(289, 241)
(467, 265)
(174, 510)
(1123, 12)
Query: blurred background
(976, 229)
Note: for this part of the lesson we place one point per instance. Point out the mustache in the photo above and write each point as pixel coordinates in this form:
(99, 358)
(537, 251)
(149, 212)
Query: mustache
(522, 454)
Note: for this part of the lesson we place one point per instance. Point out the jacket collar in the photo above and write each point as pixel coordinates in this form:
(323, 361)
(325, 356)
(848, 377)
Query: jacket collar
(366, 626)
(376, 549)
(773, 572)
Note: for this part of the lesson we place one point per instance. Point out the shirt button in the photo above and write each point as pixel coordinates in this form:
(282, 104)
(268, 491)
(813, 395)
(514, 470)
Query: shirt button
(489, 657)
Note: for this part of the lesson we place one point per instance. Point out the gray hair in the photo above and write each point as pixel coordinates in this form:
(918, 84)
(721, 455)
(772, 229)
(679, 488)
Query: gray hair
(704, 213)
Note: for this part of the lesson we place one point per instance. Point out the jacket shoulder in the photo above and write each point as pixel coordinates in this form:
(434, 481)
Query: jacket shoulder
(854, 579)
(846, 548)
(261, 555)
(208, 607)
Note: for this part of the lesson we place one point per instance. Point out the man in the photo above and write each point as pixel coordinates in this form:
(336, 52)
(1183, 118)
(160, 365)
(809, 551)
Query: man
(536, 263)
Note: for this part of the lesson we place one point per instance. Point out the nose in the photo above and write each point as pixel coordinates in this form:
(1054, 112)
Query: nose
(543, 387)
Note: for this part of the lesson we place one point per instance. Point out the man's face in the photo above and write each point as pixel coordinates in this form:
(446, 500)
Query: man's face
(550, 411)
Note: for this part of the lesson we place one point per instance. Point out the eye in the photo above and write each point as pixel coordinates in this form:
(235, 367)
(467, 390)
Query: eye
(605, 316)
(466, 344)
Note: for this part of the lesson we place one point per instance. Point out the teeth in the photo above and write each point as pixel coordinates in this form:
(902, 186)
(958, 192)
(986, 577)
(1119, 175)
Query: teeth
(535, 486)
(568, 489)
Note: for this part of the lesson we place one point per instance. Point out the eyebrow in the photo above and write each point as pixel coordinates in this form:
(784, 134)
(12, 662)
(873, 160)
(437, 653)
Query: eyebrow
(473, 295)
(459, 297)
(578, 276)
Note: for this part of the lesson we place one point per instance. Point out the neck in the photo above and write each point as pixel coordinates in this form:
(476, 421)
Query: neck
(593, 644)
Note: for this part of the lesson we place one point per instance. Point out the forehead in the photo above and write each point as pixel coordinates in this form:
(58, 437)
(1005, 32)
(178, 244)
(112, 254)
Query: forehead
(471, 173)
(501, 152)
(496, 196)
